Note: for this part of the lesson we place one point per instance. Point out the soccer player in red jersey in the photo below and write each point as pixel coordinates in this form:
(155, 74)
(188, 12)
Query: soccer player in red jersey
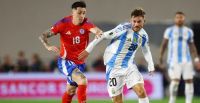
(74, 37)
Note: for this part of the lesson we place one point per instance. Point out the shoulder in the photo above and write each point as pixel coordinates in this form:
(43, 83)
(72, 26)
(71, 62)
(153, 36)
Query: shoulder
(87, 22)
(170, 28)
(143, 33)
(188, 29)
(64, 20)
(126, 25)
(123, 27)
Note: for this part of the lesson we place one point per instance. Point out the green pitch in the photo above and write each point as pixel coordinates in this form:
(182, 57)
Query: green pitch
(179, 100)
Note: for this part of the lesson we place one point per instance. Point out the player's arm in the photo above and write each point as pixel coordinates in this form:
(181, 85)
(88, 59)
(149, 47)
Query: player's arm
(193, 51)
(148, 57)
(162, 50)
(90, 47)
(96, 31)
(114, 33)
(166, 36)
(44, 39)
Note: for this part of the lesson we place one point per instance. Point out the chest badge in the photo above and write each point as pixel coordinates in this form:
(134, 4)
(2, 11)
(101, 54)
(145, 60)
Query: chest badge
(135, 40)
(82, 31)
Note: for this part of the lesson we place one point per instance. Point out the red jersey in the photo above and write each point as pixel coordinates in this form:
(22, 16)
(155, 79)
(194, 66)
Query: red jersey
(74, 38)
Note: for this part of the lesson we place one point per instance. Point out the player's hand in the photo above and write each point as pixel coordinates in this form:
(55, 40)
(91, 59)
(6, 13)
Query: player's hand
(151, 73)
(161, 65)
(98, 36)
(84, 54)
(53, 49)
(197, 65)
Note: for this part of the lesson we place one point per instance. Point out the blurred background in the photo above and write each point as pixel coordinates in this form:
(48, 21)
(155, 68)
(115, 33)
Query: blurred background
(23, 57)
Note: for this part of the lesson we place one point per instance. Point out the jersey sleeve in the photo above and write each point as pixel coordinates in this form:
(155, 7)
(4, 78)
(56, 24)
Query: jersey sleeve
(58, 27)
(190, 36)
(145, 40)
(111, 34)
(146, 52)
(144, 37)
(114, 33)
(166, 33)
(148, 57)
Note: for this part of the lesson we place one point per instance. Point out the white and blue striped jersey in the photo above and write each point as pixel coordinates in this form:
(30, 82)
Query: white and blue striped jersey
(121, 51)
(178, 40)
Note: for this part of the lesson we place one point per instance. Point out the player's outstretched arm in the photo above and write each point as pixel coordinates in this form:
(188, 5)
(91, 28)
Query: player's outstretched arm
(84, 54)
(96, 31)
(148, 57)
(111, 34)
(44, 39)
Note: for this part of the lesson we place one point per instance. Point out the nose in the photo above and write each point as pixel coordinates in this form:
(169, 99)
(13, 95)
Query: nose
(82, 16)
(136, 24)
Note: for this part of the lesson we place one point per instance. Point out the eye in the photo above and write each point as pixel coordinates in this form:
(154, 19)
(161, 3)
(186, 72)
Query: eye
(79, 12)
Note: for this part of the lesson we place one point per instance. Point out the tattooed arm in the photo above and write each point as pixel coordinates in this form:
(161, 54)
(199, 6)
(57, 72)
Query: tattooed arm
(43, 38)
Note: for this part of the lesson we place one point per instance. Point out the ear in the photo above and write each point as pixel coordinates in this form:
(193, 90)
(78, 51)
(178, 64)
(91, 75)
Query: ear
(130, 20)
(73, 10)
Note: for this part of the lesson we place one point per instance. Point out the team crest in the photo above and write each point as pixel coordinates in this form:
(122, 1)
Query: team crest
(135, 40)
(82, 31)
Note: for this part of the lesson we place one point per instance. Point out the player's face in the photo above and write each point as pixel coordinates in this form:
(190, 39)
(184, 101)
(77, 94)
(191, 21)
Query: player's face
(137, 23)
(179, 19)
(79, 14)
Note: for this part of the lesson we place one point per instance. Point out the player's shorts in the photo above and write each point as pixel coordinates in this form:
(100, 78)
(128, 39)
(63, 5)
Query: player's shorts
(117, 77)
(66, 67)
(185, 69)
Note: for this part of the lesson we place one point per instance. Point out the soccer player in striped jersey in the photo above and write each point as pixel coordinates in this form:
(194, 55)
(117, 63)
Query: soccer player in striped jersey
(179, 39)
(119, 55)
(74, 37)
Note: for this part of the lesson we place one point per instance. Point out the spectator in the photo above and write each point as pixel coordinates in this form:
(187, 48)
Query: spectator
(7, 65)
(36, 63)
(98, 65)
(53, 64)
(22, 63)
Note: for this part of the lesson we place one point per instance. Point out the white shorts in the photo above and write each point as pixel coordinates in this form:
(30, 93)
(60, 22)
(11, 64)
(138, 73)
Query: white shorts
(185, 69)
(118, 77)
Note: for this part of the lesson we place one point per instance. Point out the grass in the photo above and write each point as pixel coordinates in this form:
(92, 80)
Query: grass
(179, 100)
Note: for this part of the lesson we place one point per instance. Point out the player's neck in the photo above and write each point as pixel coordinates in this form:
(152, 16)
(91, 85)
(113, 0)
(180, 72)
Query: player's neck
(179, 26)
(75, 22)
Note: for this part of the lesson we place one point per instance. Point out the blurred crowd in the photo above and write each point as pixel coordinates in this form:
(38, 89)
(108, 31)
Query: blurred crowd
(36, 64)
(22, 64)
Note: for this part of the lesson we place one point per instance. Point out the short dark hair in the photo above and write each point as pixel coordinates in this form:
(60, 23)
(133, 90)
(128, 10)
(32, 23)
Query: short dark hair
(138, 12)
(180, 12)
(77, 4)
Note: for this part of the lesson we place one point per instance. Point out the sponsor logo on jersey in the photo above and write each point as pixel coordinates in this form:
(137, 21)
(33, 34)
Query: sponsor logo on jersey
(129, 39)
(82, 31)
(111, 33)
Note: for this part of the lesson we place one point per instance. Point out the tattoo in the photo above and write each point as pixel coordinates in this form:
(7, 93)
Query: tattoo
(43, 38)
(49, 33)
